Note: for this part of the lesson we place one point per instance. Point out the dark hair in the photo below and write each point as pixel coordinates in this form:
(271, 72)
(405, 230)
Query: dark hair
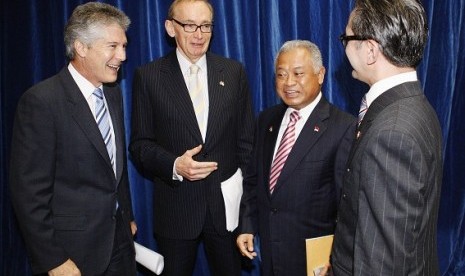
(399, 26)
(87, 19)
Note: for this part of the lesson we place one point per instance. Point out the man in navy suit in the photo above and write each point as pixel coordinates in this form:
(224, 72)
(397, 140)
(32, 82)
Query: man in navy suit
(194, 151)
(390, 197)
(69, 186)
(300, 203)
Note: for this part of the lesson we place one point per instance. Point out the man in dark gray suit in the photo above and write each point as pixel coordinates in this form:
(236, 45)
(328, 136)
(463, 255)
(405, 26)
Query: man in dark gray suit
(69, 182)
(300, 203)
(390, 197)
(192, 127)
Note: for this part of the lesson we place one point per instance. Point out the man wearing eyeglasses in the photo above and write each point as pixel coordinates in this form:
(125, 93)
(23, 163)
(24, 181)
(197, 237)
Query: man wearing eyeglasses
(390, 196)
(192, 126)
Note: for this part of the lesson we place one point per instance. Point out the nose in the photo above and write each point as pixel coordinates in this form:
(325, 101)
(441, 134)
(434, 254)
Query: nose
(198, 33)
(290, 80)
(121, 53)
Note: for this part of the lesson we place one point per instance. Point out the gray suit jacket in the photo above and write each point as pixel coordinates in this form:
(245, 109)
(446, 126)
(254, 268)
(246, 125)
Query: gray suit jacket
(389, 205)
(164, 127)
(303, 204)
(63, 187)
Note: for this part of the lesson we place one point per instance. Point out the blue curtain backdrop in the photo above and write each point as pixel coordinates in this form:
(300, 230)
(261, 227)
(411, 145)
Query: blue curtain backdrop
(251, 32)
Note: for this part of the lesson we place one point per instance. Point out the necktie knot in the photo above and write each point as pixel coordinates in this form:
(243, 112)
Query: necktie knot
(295, 116)
(194, 69)
(98, 93)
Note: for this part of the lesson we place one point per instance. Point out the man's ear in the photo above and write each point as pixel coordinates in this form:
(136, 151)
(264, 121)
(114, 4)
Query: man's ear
(80, 48)
(373, 51)
(169, 28)
(321, 75)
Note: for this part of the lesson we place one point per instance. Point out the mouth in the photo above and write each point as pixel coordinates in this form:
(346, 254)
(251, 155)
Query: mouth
(114, 67)
(197, 45)
(291, 93)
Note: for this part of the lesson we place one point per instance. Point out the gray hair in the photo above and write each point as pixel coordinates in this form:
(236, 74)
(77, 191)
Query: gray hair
(177, 2)
(86, 22)
(315, 54)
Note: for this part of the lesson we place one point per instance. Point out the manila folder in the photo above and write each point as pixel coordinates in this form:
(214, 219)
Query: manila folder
(318, 251)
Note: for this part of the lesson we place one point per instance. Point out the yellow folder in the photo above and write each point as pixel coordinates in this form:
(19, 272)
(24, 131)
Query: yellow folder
(318, 251)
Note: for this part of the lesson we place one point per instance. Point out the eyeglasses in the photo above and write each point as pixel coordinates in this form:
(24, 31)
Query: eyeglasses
(192, 28)
(346, 38)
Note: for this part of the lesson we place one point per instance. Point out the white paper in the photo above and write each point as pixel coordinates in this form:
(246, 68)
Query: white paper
(232, 193)
(149, 258)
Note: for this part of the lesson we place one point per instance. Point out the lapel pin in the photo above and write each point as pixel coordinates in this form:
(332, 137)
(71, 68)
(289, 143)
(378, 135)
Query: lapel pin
(316, 129)
(222, 83)
(358, 134)
(271, 129)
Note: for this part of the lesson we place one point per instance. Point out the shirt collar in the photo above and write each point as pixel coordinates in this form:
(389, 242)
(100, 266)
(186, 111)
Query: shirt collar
(383, 85)
(304, 112)
(184, 63)
(86, 87)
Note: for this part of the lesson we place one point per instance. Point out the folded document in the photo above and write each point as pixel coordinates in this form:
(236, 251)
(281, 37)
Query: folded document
(149, 258)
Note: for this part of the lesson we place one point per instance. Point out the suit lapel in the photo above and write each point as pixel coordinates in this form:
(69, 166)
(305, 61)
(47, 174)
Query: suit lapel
(172, 80)
(392, 95)
(81, 113)
(270, 140)
(314, 128)
(215, 93)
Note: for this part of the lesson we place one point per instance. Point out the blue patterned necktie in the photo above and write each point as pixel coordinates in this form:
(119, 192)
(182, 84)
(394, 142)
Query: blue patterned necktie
(103, 121)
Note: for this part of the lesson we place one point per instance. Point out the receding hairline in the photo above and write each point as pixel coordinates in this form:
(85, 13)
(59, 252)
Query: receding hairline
(176, 3)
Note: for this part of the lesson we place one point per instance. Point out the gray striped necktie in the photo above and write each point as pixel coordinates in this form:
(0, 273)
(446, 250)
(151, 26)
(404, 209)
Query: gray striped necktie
(103, 121)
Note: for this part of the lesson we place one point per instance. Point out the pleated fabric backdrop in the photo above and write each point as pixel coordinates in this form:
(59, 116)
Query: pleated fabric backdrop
(251, 32)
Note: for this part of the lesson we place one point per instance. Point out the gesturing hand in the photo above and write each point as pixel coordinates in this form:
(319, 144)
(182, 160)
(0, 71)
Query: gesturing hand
(191, 169)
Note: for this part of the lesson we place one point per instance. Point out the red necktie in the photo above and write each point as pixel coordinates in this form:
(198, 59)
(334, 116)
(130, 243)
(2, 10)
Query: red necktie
(287, 142)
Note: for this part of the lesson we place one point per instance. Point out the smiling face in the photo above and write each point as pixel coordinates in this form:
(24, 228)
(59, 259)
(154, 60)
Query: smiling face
(100, 61)
(297, 83)
(191, 45)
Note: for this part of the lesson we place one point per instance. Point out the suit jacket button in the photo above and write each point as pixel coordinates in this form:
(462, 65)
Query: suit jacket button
(344, 196)
(274, 210)
(205, 155)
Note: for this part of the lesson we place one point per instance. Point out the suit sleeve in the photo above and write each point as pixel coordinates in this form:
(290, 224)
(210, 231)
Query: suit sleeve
(342, 155)
(245, 122)
(391, 206)
(31, 180)
(248, 209)
(149, 157)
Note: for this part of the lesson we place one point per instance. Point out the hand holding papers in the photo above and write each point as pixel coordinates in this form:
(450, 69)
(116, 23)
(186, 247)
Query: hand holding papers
(318, 251)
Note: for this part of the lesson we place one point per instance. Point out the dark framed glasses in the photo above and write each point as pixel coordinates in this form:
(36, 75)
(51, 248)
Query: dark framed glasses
(192, 28)
(346, 38)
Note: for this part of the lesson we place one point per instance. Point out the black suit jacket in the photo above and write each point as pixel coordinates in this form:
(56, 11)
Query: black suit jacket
(164, 126)
(303, 204)
(63, 188)
(390, 198)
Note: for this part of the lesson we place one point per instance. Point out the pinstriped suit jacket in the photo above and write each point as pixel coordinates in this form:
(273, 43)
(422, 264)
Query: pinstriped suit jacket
(390, 198)
(164, 126)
